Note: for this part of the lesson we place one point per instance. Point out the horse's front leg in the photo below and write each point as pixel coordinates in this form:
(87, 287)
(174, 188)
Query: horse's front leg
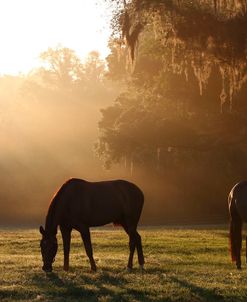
(66, 235)
(85, 234)
(246, 249)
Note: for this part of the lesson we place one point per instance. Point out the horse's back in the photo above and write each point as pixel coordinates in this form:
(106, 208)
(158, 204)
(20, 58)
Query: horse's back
(105, 189)
(238, 200)
(99, 203)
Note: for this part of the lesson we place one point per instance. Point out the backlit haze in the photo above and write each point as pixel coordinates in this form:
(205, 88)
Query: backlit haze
(48, 131)
(28, 27)
(73, 105)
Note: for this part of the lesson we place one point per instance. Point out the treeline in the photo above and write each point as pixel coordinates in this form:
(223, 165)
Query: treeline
(167, 110)
(179, 127)
(48, 124)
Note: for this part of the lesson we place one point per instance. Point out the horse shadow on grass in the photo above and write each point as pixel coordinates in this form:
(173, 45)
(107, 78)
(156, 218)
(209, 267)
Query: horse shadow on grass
(102, 286)
(52, 286)
(198, 293)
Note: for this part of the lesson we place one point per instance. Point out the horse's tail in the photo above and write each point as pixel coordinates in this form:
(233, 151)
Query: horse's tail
(235, 237)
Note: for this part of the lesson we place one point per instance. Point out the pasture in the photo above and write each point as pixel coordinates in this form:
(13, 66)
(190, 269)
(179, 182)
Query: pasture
(182, 264)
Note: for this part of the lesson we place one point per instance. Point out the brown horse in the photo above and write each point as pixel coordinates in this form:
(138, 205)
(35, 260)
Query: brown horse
(80, 205)
(237, 202)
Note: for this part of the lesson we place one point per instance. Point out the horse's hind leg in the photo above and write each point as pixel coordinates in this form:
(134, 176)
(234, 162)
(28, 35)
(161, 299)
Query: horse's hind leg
(132, 245)
(139, 250)
(66, 235)
(235, 233)
(134, 242)
(246, 249)
(85, 234)
(238, 242)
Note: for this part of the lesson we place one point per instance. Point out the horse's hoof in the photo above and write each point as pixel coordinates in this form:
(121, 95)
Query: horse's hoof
(142, 269)
(129, 269)
(66, 269)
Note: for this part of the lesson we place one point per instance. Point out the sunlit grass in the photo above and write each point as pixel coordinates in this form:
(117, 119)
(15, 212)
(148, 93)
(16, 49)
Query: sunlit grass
(181, 265)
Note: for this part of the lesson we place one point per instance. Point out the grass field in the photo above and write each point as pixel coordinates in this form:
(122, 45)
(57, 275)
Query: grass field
(182, 264)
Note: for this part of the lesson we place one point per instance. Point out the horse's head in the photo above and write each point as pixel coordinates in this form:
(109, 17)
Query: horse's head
(48, 245)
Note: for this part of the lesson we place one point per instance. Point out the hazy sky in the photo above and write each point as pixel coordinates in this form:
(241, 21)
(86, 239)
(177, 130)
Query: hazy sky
(28, 27)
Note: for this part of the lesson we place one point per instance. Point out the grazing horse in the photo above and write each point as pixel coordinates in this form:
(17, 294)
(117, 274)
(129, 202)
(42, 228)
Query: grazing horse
(237, 202)
(79, 205)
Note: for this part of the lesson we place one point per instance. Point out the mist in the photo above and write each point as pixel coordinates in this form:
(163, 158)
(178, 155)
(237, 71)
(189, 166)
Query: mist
(170, 117)
(53, 128)
(47, 136)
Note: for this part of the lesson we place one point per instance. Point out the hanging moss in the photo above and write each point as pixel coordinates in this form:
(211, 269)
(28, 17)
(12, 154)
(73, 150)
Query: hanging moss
(200, 34)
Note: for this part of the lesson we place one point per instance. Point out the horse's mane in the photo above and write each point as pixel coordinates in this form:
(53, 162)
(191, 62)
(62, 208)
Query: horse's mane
(50, 217)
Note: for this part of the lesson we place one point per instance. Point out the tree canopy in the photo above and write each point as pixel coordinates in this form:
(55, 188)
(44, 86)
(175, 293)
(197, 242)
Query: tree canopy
(181, 119)
(197, 34)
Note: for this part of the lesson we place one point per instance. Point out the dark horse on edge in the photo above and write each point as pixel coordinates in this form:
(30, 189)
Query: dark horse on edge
(79, 205)
(237, 202)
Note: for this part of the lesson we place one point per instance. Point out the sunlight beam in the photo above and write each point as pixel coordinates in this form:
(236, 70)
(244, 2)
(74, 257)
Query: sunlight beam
(29, 27)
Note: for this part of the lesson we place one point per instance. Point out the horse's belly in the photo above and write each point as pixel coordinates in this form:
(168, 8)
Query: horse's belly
(97, 216)
(98, 220)
(241, 205)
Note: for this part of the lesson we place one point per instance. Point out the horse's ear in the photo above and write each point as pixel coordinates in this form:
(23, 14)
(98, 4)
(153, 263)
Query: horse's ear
(42, 231)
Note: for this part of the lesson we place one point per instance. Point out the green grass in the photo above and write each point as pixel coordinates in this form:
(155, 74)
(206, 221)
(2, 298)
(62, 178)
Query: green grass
(182, 264)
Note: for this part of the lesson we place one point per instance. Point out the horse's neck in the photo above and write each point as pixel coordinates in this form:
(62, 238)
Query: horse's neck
(51, 223)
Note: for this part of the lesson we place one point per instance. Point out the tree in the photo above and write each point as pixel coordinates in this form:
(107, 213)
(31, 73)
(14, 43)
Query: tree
(64, 76)
(61, 67)
(94, 67)
(198, 34)
(164, 126)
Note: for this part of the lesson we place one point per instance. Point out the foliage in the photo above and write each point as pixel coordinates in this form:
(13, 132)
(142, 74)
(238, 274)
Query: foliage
(48, 123)
(200, 34)
(176, 139)
(63, 75)
(161, 112)
(94, 67)
(61, 66)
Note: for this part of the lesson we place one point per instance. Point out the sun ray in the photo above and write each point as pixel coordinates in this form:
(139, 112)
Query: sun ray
(29, 27)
